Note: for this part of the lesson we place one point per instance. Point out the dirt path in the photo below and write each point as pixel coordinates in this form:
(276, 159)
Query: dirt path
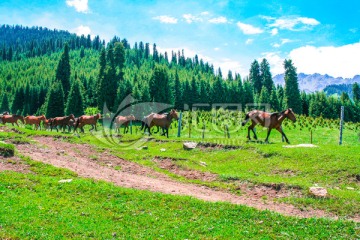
(87, 162)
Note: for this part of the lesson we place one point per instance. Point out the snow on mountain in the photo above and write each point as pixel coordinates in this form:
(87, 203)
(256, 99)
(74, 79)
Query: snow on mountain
(316, 82)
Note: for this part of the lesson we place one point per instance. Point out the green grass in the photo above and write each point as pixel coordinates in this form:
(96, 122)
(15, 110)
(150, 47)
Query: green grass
(37, 206)
(6, 150)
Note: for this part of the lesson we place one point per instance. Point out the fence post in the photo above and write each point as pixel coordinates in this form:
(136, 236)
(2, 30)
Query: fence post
(203, 133)
(341, 124)
(179, 125)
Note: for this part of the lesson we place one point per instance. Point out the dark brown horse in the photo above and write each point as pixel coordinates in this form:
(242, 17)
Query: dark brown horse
(124, 121)
(87, 120)
(35, 120)
(268, 120)
(13, 118)
(160, 120)
(47, 123)
(63, 122)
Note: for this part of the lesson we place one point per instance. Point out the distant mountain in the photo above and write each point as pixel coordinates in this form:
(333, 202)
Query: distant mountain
(316, 82)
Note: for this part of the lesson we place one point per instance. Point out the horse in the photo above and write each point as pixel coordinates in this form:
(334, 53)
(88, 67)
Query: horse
(268, 120)
(13, 118)
(124, 120)
(35, 120)
(87, 120)
(72, 124)
(160, 120)
(48, 122)
(61, 121)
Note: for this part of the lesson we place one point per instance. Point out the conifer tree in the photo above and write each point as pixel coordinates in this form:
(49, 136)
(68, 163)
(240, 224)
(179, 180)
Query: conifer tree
(178, 93)
(356, 92)
(4, 104)
(18, 103)
(254, 77)
(63, 70)
(265, 75)
(292, 92)
(55, 101)
(274, 101)
(75, 100)
(264, 97)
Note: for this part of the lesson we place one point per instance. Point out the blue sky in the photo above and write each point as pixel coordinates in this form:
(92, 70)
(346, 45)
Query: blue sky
(320, 36)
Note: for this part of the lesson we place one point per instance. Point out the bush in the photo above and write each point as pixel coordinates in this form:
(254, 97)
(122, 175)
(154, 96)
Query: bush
(6, 150)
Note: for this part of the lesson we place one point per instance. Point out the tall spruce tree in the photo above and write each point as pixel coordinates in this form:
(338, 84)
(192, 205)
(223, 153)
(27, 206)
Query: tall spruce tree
(274, 101)
(4, 104)
(18, 102)
(254, 77)
(356, 92)
(55, 101)
(75, 100)
(292, 92)
(63, 70)
(160, 89)
(265, 74)
(178, 93)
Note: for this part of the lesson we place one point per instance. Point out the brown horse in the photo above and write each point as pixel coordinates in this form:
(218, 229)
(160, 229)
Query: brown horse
(47, 123)
(268, 120)
(160, 120)
(124, 121)
(63, 122)
(87, 120)
(35, 120)
(13, 118)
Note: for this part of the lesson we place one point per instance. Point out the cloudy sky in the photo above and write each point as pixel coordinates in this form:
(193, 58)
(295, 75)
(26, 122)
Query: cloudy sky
(320, 36)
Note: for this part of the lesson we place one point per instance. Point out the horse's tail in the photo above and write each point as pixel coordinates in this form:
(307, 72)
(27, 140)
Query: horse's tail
(247, 117)
(142, 125)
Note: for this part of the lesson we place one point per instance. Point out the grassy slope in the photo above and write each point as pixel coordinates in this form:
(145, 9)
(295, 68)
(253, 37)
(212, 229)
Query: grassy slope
(37, 206)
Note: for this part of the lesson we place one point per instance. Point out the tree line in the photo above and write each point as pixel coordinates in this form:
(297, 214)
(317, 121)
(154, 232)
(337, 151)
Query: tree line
(74, 80)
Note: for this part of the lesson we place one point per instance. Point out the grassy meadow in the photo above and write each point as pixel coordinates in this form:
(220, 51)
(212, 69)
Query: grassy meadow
(34, 205)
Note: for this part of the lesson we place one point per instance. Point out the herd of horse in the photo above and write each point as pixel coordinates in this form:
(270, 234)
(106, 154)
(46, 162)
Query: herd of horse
(163, 121)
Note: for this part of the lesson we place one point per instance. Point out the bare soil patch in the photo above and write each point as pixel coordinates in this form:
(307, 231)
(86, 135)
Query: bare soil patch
(170, 165)
(87, 162)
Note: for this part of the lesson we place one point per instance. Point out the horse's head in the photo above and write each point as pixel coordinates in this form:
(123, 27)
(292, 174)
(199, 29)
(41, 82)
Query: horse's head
(98, 116)
(174, 114)
(131, 117)
(290, 114)
(71, 116)
(42, 118)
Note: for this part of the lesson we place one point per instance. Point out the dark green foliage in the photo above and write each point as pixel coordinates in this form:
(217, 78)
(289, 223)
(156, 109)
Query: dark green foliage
(356, 92)
(254, 77)
(75, 102)
(4, 104)
(18, 102)
(265, 75)
(55, 101)
(264, 97)
(292, 92)
(63, 71)
(274, 101)
(160, 88)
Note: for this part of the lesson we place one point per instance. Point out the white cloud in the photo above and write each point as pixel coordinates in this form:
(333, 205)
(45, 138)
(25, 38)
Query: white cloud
(216, 49)
(275, 61)
(218, 20)
(249, 41)
(274, 31)
(79, 5)
(205, 13)
(336, 61)
(290, 23)
(248, 29)
(189, 18)
(166, 19)
(82, 30)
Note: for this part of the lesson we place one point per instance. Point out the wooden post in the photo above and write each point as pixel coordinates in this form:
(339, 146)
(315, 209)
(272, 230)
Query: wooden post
(179, 125)
(203, 133)
(341, 124)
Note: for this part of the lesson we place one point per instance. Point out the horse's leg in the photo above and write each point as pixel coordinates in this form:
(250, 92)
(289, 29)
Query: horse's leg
(167, 132)
(283, 134)
(268, 134)
(248, 136)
